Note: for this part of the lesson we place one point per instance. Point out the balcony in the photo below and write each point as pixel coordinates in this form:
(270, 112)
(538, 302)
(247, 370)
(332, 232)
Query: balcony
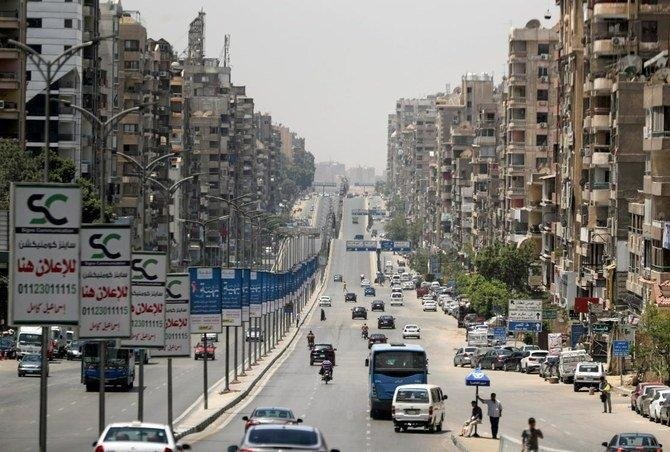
(602, 85)
(600, 159)
(654, 9)
(517, 79)
(599, 122)
(516, 101)
(9, 19)
(611, 46)
(9, 81)
(610, 10)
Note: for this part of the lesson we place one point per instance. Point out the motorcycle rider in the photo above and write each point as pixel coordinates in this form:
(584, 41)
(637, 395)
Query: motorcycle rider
(364, 331)
(310, 339)
(362, 276)
(326, 367)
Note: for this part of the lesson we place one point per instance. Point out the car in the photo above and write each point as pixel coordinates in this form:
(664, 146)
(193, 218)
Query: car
(418, 405)
(494, 359)
(73, 350)
(325, 300)
(137, 436)
(642, 442)
(646, 401)
(533, 360)
(397, 299)
(476, 358)
(254, 334)
(282, 437)
(639, 389)
(320, 352)
(407, 285)
(646, 393)
(365, 283)
(200, 351)
(369, 291)
(358, 236)
(430, 306)
(350, 296)
(661, 399)
(7, 348)
(426, 298)
(411, 331)
(376, 338)
(527, 347)
(587, 375)
(31, 364)
(464, 355)
(359, 312)
(512, 361)
(337, 277)
(548, 366)
(377, 305)
(270, 415)
(385, 321)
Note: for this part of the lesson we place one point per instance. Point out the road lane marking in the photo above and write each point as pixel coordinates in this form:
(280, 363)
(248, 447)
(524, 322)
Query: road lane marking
(73, 402)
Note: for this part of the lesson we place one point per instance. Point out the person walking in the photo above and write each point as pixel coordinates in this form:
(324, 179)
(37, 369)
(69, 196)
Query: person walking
(323, 315)
(494, 408)
(605, 395)
(530, 436)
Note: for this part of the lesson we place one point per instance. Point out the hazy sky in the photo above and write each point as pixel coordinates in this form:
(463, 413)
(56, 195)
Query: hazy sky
(332, 69)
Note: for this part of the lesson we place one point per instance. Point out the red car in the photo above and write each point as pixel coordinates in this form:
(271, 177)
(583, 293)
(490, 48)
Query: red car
(421, 291)
(200, 351)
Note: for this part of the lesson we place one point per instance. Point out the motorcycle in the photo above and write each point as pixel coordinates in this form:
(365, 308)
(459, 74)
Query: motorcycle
(310, 342)
(364, 334)
(327, 376)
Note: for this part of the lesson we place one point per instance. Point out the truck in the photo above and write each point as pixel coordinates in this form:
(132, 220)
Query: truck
(29, 340)
(567, 363)
(59, 340)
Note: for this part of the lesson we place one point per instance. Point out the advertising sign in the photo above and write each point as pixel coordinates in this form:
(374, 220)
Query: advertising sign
(44, 254)
(147, 313)
(205, 293)
(555, 343)
(231, 306)
(104, 299)
(577, 330)
(478, 337)
(525, 316)
(255, 302)
(245, 294)
(177, 313)
(620, 349)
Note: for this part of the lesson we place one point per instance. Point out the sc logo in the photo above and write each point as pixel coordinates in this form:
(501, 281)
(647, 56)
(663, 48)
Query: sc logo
(143, 269)
(94, 242)
(44, 209)
(174, 283)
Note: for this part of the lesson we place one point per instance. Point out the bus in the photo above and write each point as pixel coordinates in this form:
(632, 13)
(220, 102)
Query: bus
(392, 365)
(120, 367)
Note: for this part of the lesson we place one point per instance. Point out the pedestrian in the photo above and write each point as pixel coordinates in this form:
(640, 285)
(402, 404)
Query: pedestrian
(323, 315)
(530, 436)
(494, 408)
(475, 418)
(297, 320)
(605, 395)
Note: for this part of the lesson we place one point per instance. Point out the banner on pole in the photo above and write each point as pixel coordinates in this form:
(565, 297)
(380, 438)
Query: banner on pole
(255, 302)
(206, 294)
(44, 254)
(245, 294)
(177, 317)
(231, 306)
(105, 281)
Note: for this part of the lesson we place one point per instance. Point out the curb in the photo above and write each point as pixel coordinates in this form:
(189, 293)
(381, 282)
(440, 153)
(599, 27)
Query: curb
(457, 443)
(242, 395)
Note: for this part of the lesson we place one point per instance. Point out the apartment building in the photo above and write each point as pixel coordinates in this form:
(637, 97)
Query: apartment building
(12, 70)
(462, 203)
(53, 27)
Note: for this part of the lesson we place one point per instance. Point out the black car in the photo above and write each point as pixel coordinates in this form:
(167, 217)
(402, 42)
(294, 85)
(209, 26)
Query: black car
(494, 359)
(359, 312)
(643, 442)
(386, 321)
(376, 338)
(350, 296)
(8, 348)
(337, 278)
(513, 361)
(320, 352)
(369, 291)
(377, 305)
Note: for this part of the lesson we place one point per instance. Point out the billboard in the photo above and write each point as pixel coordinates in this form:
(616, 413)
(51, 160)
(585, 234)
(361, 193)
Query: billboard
(205, 292)
(147, 313)
(231, 303)
(44, 254)
(245, 294)
(255, 301)
(104, 298)
(177, 317)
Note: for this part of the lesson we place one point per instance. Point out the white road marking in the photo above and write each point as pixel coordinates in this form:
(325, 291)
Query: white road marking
(73, 402)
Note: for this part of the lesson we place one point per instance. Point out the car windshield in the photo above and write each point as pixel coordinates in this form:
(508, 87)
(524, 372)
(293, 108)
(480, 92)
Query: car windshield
(399, 360)
(322, 346)
(589, 368)
(6, 342)
(137, 434)
(26, 338)
(31, 358)
(637, 440)
(539, 354)
(294, 437)
(273, 413)
(412, 395)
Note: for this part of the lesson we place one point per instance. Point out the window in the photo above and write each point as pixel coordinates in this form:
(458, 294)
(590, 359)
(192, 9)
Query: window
(67, 23)
(130, 149)
(34, 22)
(131, 65)
(541, 140)
(542, 71)
(132, 45)
(542, 117)
(543, 49)
(29, 76)
(213, 129)
(649, 31)
(213, 144)
(36, 47)
(468, 89)
(130, 128)
(543, 94)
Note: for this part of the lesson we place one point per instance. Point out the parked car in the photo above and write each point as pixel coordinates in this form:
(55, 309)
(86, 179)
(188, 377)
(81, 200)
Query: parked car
(377, 305)
(337, 277)
(320, 352)
(73, 350)
(359, 312)
(512, 361)
(376, 338)
(31, 364)
(642, 442)
(270, 415)
(646, 401)
(137, 436)
(430, 306)
(350, 296)
(533, 360)
(282, 437)
(646, 392)
(200, 351)
(411, 331)
(660, 399)
(254, 334)
(587, 375)
(369, 291)
(325, 300)
(386, 321)
(494, 359)
(7, 348)
(548, 366)
(464, 356)
(639, 389)
(475, 359)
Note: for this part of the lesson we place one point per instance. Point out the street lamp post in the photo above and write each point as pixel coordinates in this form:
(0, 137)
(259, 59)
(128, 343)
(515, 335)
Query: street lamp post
(252, 249)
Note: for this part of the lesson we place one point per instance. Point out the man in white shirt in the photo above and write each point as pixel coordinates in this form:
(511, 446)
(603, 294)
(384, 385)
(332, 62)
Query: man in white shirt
(495, 411)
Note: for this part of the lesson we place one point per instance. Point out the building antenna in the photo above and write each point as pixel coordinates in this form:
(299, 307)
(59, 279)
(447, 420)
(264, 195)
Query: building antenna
(226, 51)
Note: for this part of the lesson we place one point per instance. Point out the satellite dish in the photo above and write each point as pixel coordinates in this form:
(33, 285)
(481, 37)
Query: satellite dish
(630, 65)
(533, 23)
(547, 15)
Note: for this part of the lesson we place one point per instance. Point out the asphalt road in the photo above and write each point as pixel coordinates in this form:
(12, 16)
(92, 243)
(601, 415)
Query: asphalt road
(73, 412)
(570, 421)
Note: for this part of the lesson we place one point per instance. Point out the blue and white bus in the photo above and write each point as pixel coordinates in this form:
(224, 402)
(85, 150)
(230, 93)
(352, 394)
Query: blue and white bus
(119, 370)
(392, 365)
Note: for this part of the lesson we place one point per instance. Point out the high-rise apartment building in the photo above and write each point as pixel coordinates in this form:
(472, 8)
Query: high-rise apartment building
(12, 70)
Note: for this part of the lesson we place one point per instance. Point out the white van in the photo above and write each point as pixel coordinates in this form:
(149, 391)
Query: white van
(587, 375)
(567, 363)
(397, 299)
(418, 405)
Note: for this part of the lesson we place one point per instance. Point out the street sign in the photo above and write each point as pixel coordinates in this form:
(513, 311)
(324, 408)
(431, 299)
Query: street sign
(205, 299)
(105, 281)
(549, 314)
(362, 245)
(524, 316)
(401, 246)
(231, 305)
(478, 337)
(600, 327)
(177, 317)
(500, 334)
(147, 289)
(44, 254)
(577, 330)
(359, 212)
(245, 294)
(620, 349)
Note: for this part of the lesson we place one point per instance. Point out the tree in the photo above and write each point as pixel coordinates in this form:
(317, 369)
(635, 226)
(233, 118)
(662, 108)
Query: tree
(506, 263)
(653, 342)
(486, 296)
(397, 228)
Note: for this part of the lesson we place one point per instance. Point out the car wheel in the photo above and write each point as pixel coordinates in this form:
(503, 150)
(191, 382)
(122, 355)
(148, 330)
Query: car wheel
(397, 429)
(439, 426)
(20, 374)
(575, 388)
(195, 357)
(455, 365)
(518, 368)
(493, 365)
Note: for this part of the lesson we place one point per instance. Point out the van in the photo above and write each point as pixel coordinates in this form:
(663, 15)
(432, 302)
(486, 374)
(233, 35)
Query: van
(418, 406)
(567, 363)
(397, 299)
(29, 341)
(587, 375)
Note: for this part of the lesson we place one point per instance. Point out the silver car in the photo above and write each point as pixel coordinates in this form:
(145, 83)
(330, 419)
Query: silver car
(31, 364)
(464, 356)
(259, 438)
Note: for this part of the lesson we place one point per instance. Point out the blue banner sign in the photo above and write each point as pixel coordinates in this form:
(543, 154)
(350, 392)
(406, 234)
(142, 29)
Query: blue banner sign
(231, 306)
(205, 301)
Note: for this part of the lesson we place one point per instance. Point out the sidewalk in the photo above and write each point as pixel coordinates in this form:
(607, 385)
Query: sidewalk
(481, 444)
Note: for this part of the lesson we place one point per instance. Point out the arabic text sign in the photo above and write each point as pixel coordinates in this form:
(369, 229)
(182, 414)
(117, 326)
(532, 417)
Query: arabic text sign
(177, 317)
(362, 245)
(255, 301)
(206, 293)
(620, 349)
(245, 294)
(44, 259)
(477, 337)
(525, 310)
(147, 315)
(105, 281)
(401, 246)
(231, 306)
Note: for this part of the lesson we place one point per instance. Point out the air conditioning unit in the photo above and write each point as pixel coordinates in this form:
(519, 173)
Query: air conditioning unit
(617, 41)
(543, 125)
(2, 104)
(542, 103)
(544, 56)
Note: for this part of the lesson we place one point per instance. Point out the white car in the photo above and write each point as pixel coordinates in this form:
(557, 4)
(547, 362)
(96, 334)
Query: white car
(397, 299)
(407, 285)
(533, 360)
(587, 375)
(411, 331)
(137, 436)
(660, 399)
(325, 300)
(430, 305)
(426, 298)
(365, 283)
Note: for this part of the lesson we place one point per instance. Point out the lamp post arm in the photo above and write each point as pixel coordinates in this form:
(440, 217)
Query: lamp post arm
(132, 160)
(177, 184)
(161, 185)
(157, 160)
(119, 115)
(63, 58)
